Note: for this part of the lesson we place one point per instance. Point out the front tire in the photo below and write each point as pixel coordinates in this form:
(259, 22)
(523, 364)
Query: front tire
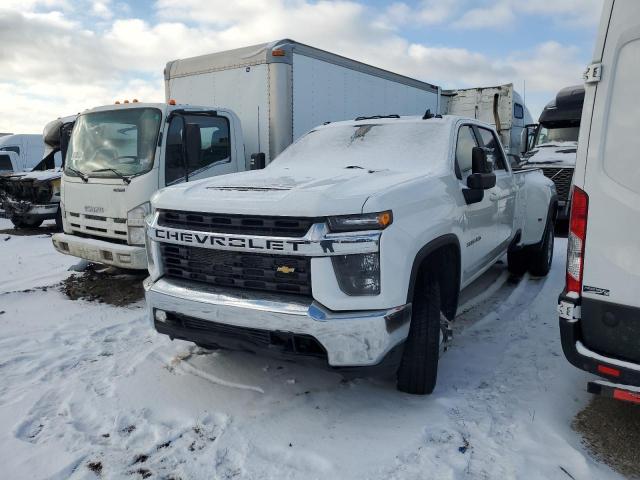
(419, 365)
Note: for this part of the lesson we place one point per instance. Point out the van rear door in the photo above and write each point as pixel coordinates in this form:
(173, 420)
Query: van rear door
(610, 176)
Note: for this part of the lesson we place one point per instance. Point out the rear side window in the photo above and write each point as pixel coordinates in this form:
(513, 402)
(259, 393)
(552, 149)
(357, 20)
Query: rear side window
(622, 142)
(5, 162)
(464, 147)
(518, 110)
(492, 146)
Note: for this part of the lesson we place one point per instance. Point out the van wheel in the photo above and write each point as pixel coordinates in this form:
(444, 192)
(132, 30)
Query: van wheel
(541, 256)
(419, 365)
(517, 262)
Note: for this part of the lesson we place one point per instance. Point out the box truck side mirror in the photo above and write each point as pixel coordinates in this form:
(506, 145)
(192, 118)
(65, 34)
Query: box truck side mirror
(258, 161)
(193, 144)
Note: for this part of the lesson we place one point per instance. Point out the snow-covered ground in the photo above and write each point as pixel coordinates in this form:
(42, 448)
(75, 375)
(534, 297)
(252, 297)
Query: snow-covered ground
(85, 383)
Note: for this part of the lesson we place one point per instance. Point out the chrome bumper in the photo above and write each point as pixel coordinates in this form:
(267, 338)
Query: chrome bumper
(101, 251)
(351, 339)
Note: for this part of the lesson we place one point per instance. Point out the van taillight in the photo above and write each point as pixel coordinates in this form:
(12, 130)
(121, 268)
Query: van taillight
(576, 239)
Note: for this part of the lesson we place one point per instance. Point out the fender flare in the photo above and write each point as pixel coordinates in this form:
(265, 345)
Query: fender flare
(450, 277)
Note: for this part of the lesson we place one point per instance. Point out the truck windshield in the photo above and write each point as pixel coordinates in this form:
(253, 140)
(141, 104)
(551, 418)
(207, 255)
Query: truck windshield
(556, 135)
(114, 143)
(401, 146)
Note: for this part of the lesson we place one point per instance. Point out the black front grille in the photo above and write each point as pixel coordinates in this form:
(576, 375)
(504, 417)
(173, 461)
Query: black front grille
(272, 273)
(561, 177)
(239, 224)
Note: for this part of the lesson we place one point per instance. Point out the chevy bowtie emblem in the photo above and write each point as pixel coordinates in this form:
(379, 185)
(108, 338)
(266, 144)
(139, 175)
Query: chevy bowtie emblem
(285, 269)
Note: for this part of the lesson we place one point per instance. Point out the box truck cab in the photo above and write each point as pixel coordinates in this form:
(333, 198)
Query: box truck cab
(600, 305)
(119, 155)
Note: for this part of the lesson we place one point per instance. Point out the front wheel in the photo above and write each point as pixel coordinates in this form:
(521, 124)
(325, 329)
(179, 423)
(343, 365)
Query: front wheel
(23, 222)
(419, 365)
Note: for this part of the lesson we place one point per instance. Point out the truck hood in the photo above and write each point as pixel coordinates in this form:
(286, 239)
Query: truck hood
(37, 175)
(282, 191)
(557, 153)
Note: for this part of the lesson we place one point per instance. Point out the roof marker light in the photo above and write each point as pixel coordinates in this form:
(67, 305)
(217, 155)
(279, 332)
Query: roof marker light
(278, 52)
(172, 102)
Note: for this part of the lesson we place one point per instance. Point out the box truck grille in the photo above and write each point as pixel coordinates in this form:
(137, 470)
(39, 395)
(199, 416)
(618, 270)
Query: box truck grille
(561, 177)
(239, 224)
(272, 273)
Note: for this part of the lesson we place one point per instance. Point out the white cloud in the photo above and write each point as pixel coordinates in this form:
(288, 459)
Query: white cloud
(65, 67)
(500, 14)
(101, 9)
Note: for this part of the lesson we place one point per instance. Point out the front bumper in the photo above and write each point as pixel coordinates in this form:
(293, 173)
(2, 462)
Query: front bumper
(29, 210)
(271, 322)
(580, 356)
(101, 251)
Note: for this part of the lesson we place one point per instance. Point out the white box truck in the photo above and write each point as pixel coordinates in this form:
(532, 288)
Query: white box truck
(600, 306)
(224, 113)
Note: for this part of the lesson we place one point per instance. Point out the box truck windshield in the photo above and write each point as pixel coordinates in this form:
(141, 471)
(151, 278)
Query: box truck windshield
(114, 143)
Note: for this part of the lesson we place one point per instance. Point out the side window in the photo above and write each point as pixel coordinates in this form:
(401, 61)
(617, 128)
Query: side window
(5, 162)
(464, 147)
(214, 141)
(13, 148)
(213, 147)
(518, 110)
(492, 146)
(173, 160)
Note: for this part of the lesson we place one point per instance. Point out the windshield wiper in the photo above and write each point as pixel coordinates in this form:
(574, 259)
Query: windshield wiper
(83, 176)
(124, 178)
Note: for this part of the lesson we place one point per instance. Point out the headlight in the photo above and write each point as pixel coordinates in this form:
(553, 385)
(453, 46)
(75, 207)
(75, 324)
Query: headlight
(358, 274)
(135, 224)
(55, 186)
(366, 221)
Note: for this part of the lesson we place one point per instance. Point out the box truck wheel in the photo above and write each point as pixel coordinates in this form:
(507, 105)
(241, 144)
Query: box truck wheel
(419, 365)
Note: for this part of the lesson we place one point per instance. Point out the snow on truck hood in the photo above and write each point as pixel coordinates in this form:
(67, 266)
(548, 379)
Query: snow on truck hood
(281, 192)
(331, 170)
(557, 153)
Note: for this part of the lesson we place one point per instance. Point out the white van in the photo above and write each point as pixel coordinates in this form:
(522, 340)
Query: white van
(600, 305)
(27, 147)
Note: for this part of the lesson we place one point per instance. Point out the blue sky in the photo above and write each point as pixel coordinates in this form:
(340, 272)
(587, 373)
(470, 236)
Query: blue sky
(62, 56)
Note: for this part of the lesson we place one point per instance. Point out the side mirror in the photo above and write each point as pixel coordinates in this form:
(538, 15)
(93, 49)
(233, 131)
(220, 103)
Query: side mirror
(479, 162)
(524, 140)
(481, 181)
(482, 176)
(258, 161)
(193, 144)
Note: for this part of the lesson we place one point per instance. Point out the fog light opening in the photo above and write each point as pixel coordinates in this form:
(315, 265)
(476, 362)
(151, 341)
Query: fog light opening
(161, 315)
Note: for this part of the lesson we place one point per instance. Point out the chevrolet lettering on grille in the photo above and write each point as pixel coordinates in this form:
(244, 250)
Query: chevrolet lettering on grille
(227, 242)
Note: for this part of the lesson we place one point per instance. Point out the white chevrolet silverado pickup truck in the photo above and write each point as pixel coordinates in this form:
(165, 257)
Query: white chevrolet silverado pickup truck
(351, 248)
